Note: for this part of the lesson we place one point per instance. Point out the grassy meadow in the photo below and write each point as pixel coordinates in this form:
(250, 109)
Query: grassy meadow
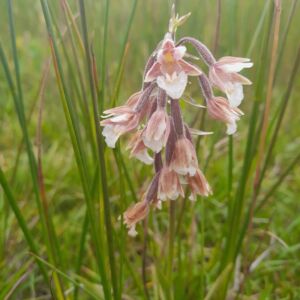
(62, 62)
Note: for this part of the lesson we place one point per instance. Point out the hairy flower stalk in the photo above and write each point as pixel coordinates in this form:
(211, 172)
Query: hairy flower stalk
(161, 137)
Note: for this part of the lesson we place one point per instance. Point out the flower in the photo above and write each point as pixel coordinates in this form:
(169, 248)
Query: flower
(135, 214)
(169, 186)
(220, 109)
(170, 70)
(120, 120)
(139, 150)
(184, 160)
(224, 75)
(157, 130)
(198, 185)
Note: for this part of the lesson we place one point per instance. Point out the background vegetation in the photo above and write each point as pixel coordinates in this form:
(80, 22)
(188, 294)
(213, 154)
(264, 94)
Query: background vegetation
(62, 192)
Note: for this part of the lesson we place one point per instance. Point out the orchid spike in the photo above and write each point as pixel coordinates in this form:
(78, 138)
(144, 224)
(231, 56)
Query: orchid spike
(161, 137)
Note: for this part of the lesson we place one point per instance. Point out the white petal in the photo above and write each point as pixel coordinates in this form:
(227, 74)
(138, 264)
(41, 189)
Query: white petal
(179, 52)
(162, 196)
(110, 135)
(231, 128)
(174, 87)
(144, 157)
(132, 232)
(235, 94)
(120, 118)
(154, 145)
(235, 67)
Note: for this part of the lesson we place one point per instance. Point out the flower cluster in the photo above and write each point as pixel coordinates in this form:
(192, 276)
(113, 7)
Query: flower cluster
(154, 112)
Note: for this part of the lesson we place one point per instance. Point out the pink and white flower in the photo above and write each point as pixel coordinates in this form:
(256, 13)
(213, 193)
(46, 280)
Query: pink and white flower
(170, 70)
(169, 186)
(224, 75)
(135, 214)
(198, 185)
(184, 160)
(139, 150)
(156, 133)
(120, 120)
(220, 109)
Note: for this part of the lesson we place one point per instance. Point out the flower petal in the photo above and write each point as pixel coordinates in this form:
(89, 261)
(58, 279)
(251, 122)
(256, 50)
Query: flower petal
(189, 69)
(231, 128)
(232, 60)
(240, 79)
(174, 86)
(153, 73)
(235, 94)
(110, 135)
(216, 80)
(235, 67)
(144, 157)
(179, 52)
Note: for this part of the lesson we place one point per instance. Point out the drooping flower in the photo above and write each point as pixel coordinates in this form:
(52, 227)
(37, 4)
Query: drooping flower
(184, 160)
(198, 185)
(138, 149)
(219, 109)
(169, 186)
(135, 214)
(157, 130)
(170, 70)
(224, 75)
(122, 119)
(140, 210)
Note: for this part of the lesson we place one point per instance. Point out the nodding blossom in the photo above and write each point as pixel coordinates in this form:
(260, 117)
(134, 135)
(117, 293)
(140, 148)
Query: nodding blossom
(170, 69)
(224, 75)
(161, 137)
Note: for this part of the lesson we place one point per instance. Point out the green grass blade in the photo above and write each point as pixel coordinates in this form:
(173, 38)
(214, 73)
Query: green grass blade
(14, 206)
(101, 159)
(32, 162)
(52, 267)
(73, 126)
